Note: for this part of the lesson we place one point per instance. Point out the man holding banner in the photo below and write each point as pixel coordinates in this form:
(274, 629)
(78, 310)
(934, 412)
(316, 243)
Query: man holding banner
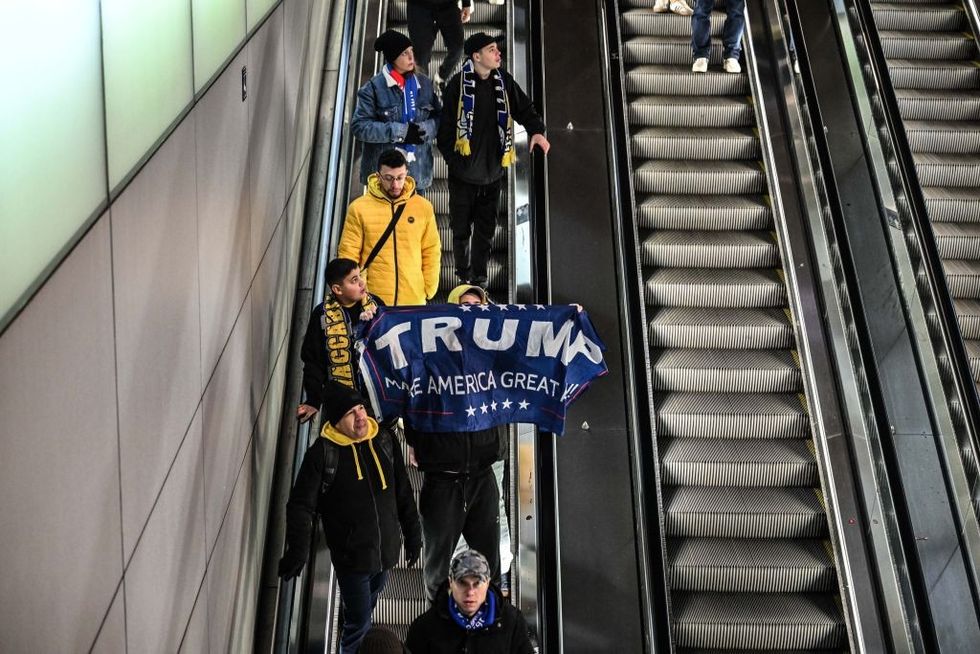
(456, 374)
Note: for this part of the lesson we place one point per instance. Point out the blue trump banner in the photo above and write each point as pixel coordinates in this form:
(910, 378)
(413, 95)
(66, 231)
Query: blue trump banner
(464, 368)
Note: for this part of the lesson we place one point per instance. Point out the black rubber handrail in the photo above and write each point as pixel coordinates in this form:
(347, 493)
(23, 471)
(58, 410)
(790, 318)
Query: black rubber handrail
(928, 251)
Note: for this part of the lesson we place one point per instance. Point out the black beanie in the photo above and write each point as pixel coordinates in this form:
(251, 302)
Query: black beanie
(477, 42)
(392, 44)
(338, 399)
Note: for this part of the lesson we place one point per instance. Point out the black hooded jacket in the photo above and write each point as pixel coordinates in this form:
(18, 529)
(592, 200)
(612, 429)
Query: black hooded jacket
(435, 632)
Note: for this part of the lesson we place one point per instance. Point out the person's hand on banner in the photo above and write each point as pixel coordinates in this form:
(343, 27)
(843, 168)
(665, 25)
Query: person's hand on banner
(577, 306)
(304, 412)
(368, 314)
(412, 461)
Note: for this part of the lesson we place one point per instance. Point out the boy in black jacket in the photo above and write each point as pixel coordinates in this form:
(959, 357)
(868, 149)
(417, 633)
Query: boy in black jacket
(476, 138)
(354, 476)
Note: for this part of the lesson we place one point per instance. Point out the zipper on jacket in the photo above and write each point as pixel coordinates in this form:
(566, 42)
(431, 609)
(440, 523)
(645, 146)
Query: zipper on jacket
(377, 516)
(394, 235)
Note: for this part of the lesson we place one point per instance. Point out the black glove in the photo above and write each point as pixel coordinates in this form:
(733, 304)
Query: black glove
(291, 563)
(415, 135)
(412, 553)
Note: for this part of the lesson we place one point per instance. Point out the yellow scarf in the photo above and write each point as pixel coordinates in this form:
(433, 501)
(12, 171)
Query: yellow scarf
(334, 436)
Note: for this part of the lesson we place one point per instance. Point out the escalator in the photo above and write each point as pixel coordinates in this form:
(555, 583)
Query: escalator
(749, 556)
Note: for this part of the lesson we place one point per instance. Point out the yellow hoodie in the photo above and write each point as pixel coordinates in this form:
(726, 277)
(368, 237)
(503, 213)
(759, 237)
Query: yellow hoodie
(331, 434)
(406, 270)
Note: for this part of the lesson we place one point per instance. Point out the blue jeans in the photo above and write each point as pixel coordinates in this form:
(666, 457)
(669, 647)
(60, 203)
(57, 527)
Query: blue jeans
(359, 593)
(732, 35)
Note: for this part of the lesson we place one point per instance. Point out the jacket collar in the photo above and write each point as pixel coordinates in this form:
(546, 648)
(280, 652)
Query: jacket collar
(374, 189)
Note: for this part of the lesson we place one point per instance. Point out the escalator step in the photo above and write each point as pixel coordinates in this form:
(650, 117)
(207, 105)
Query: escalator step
(937, 75)
(677, 249)
(483, 12)
(700, 178)
(696, 144)
(684, 111)
(925, 18)
(926, 45)
(724, 328)
(938, 105)
(643, 22)
(498, 244)
(968, 317)
(717, 288)
(948, 169)
(973, 355)
(754, 463)
(952, 204)
(751, 566)
(707, 213)
(748, 621)
(496, 272)
(731, 415)
(943, 137)
(720, 512)
(665, 50)
(653, 79)
(957, 240)
(721, 371)
(963, 278)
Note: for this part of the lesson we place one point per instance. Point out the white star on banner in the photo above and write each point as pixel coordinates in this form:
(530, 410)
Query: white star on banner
(523, 404)
(493, 405)
(484, 307)
(470, 412)
(539, 306)
(521, 307)
(483, 408)
(465, 307)
(502, 307)
(506, 404)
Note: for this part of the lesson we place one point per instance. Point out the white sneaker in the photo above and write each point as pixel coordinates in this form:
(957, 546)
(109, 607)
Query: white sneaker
(732, 65)
(660, 6)
(681, 8)
(700, 65)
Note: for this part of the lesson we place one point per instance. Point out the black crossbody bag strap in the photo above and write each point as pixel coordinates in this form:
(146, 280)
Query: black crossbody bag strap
(384, 237)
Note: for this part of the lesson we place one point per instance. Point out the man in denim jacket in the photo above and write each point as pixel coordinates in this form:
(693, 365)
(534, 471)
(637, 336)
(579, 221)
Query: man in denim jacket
(397, 108)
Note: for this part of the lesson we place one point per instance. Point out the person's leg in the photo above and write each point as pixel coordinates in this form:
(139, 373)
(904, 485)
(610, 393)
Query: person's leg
(485, 211)
(422, 31)
(451, 27)
(506, 556)
(461, 198)
(734, 26)
(355, 593)
(376, 584)
(481, 529)
(441, 511)
(701, 29)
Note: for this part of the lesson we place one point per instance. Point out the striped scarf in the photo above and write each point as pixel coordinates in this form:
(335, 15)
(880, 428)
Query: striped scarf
(409, 85)
(341, 337)
(464, 115)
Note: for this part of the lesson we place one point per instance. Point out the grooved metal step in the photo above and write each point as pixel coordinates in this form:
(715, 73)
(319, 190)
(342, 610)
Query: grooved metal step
(721, 371)
(697, 177)
(715, 288)
(685, 110)
(968, 317)
(957, 240)
(652, 79)
(791, 621)
(963, 278)
(916, 104)
(731, 415)
(700, 144)
(643, 22)
(665, 50)
(925, 74)
(720, 512)
(952, 204)
(705, 213)
(943, 136)
(678, 327)
(722, 565)
(948, 169)
(925, 18)
(755, 463)
(926, 45)
(690, 249)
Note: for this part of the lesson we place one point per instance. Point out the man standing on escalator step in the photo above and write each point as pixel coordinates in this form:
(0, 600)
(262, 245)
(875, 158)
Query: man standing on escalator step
(397, 108)
(476, 137)
(425, 19)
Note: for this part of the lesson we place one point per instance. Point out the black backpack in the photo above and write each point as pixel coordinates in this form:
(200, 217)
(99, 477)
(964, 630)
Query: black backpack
(331, 458)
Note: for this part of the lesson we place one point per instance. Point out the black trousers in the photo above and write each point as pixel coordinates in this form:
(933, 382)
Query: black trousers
(451, 506)
(424, 22)
(473, 212)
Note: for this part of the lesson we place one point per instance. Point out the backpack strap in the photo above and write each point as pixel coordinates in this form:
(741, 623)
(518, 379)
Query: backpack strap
(331, 457)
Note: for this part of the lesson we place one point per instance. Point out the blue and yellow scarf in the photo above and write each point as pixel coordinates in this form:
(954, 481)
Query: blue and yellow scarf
(464, 115)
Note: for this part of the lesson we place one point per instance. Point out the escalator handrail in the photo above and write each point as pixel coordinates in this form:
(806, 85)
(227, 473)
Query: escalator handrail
(929, 252)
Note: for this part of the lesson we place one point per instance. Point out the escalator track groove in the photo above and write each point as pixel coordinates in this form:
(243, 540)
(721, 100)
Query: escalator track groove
(749, 556)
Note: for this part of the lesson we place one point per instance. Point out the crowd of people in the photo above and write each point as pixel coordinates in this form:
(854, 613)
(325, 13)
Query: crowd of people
(354, 476)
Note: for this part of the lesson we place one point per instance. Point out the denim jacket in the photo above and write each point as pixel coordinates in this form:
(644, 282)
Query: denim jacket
(377, 124)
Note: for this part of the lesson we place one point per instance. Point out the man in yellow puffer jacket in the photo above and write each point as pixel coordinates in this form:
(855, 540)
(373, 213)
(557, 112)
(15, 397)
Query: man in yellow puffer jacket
(406, 268)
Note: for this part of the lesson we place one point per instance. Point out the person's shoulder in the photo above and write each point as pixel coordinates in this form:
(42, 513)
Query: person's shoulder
(422, 202)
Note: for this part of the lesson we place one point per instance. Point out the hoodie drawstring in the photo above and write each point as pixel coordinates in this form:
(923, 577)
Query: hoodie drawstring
(381, 473)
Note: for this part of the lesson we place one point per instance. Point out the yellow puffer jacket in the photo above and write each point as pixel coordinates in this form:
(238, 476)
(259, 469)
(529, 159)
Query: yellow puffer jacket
(406, 270)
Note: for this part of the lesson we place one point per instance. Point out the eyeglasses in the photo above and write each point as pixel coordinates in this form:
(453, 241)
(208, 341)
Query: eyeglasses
(391, 178)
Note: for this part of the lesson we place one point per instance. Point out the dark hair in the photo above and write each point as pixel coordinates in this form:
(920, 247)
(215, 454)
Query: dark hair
(392, 158)
(337, 270)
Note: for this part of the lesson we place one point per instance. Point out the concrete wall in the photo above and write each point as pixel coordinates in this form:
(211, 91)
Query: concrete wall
(141, 388)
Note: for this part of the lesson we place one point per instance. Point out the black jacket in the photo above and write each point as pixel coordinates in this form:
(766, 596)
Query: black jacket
(314, 354)
(363, 523)
(483, 165)
(435, 632)
(459, 452)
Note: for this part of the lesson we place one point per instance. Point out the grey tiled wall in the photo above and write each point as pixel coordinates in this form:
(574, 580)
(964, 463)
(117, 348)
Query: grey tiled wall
(141, 389)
